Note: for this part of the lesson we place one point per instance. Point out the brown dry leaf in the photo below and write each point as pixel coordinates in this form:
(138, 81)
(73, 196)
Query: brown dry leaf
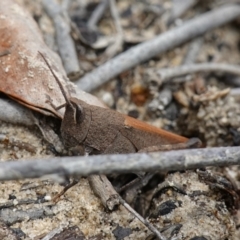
(23, 74)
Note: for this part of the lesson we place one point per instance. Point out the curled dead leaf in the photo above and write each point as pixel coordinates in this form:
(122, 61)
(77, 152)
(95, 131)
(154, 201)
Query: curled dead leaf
(23, 74)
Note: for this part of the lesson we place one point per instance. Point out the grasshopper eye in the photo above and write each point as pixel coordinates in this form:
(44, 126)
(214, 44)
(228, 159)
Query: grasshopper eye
(78, 114)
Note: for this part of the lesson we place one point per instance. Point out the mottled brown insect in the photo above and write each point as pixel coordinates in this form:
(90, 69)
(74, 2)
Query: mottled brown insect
(91, 129)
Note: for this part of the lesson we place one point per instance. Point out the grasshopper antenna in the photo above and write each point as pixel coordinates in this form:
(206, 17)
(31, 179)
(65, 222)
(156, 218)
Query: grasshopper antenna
(57, 80)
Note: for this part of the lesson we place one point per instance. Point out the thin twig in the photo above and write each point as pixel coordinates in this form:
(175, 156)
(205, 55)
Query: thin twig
(65, 42)
(65, 189)
(11, 216)
(12, 112)
(121, 163)
(235, 92)
(13, 203)
(166, 41)
(97, 14)
(144, 221)
(162, 99)
(132, 188)
(52, 233)
(179, 8)
(193, 50)
(65, 5)
(110, 198)
(116, 47)
(168, 73)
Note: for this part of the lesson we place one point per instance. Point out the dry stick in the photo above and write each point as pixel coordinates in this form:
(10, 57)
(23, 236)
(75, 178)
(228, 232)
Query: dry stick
(103, 188)
(11, 215)
(65, 5)
(179, 8)
(121, 163)
(190, 58)
(12, 203)
(144, 221)
(193, 51)
(168, 73)
(65, 42)
(166, 41)
(97, 14)
(116, 47)
(235, 92)
(52, 233)
(110, 198)
(132, 188)
(12, 112)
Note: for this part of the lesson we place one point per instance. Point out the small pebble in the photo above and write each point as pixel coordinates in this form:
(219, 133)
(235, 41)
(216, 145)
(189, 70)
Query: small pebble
(108, 99)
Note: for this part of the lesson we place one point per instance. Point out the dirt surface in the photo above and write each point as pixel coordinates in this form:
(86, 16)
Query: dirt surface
(204, 105)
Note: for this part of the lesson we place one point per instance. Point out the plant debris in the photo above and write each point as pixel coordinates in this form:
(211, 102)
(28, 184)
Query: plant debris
(134, 56)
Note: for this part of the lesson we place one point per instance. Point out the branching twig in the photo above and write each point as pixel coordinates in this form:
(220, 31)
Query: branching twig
(110, 198)
(168, 73)
(166, 41)
(121, 163)
(65, 42)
